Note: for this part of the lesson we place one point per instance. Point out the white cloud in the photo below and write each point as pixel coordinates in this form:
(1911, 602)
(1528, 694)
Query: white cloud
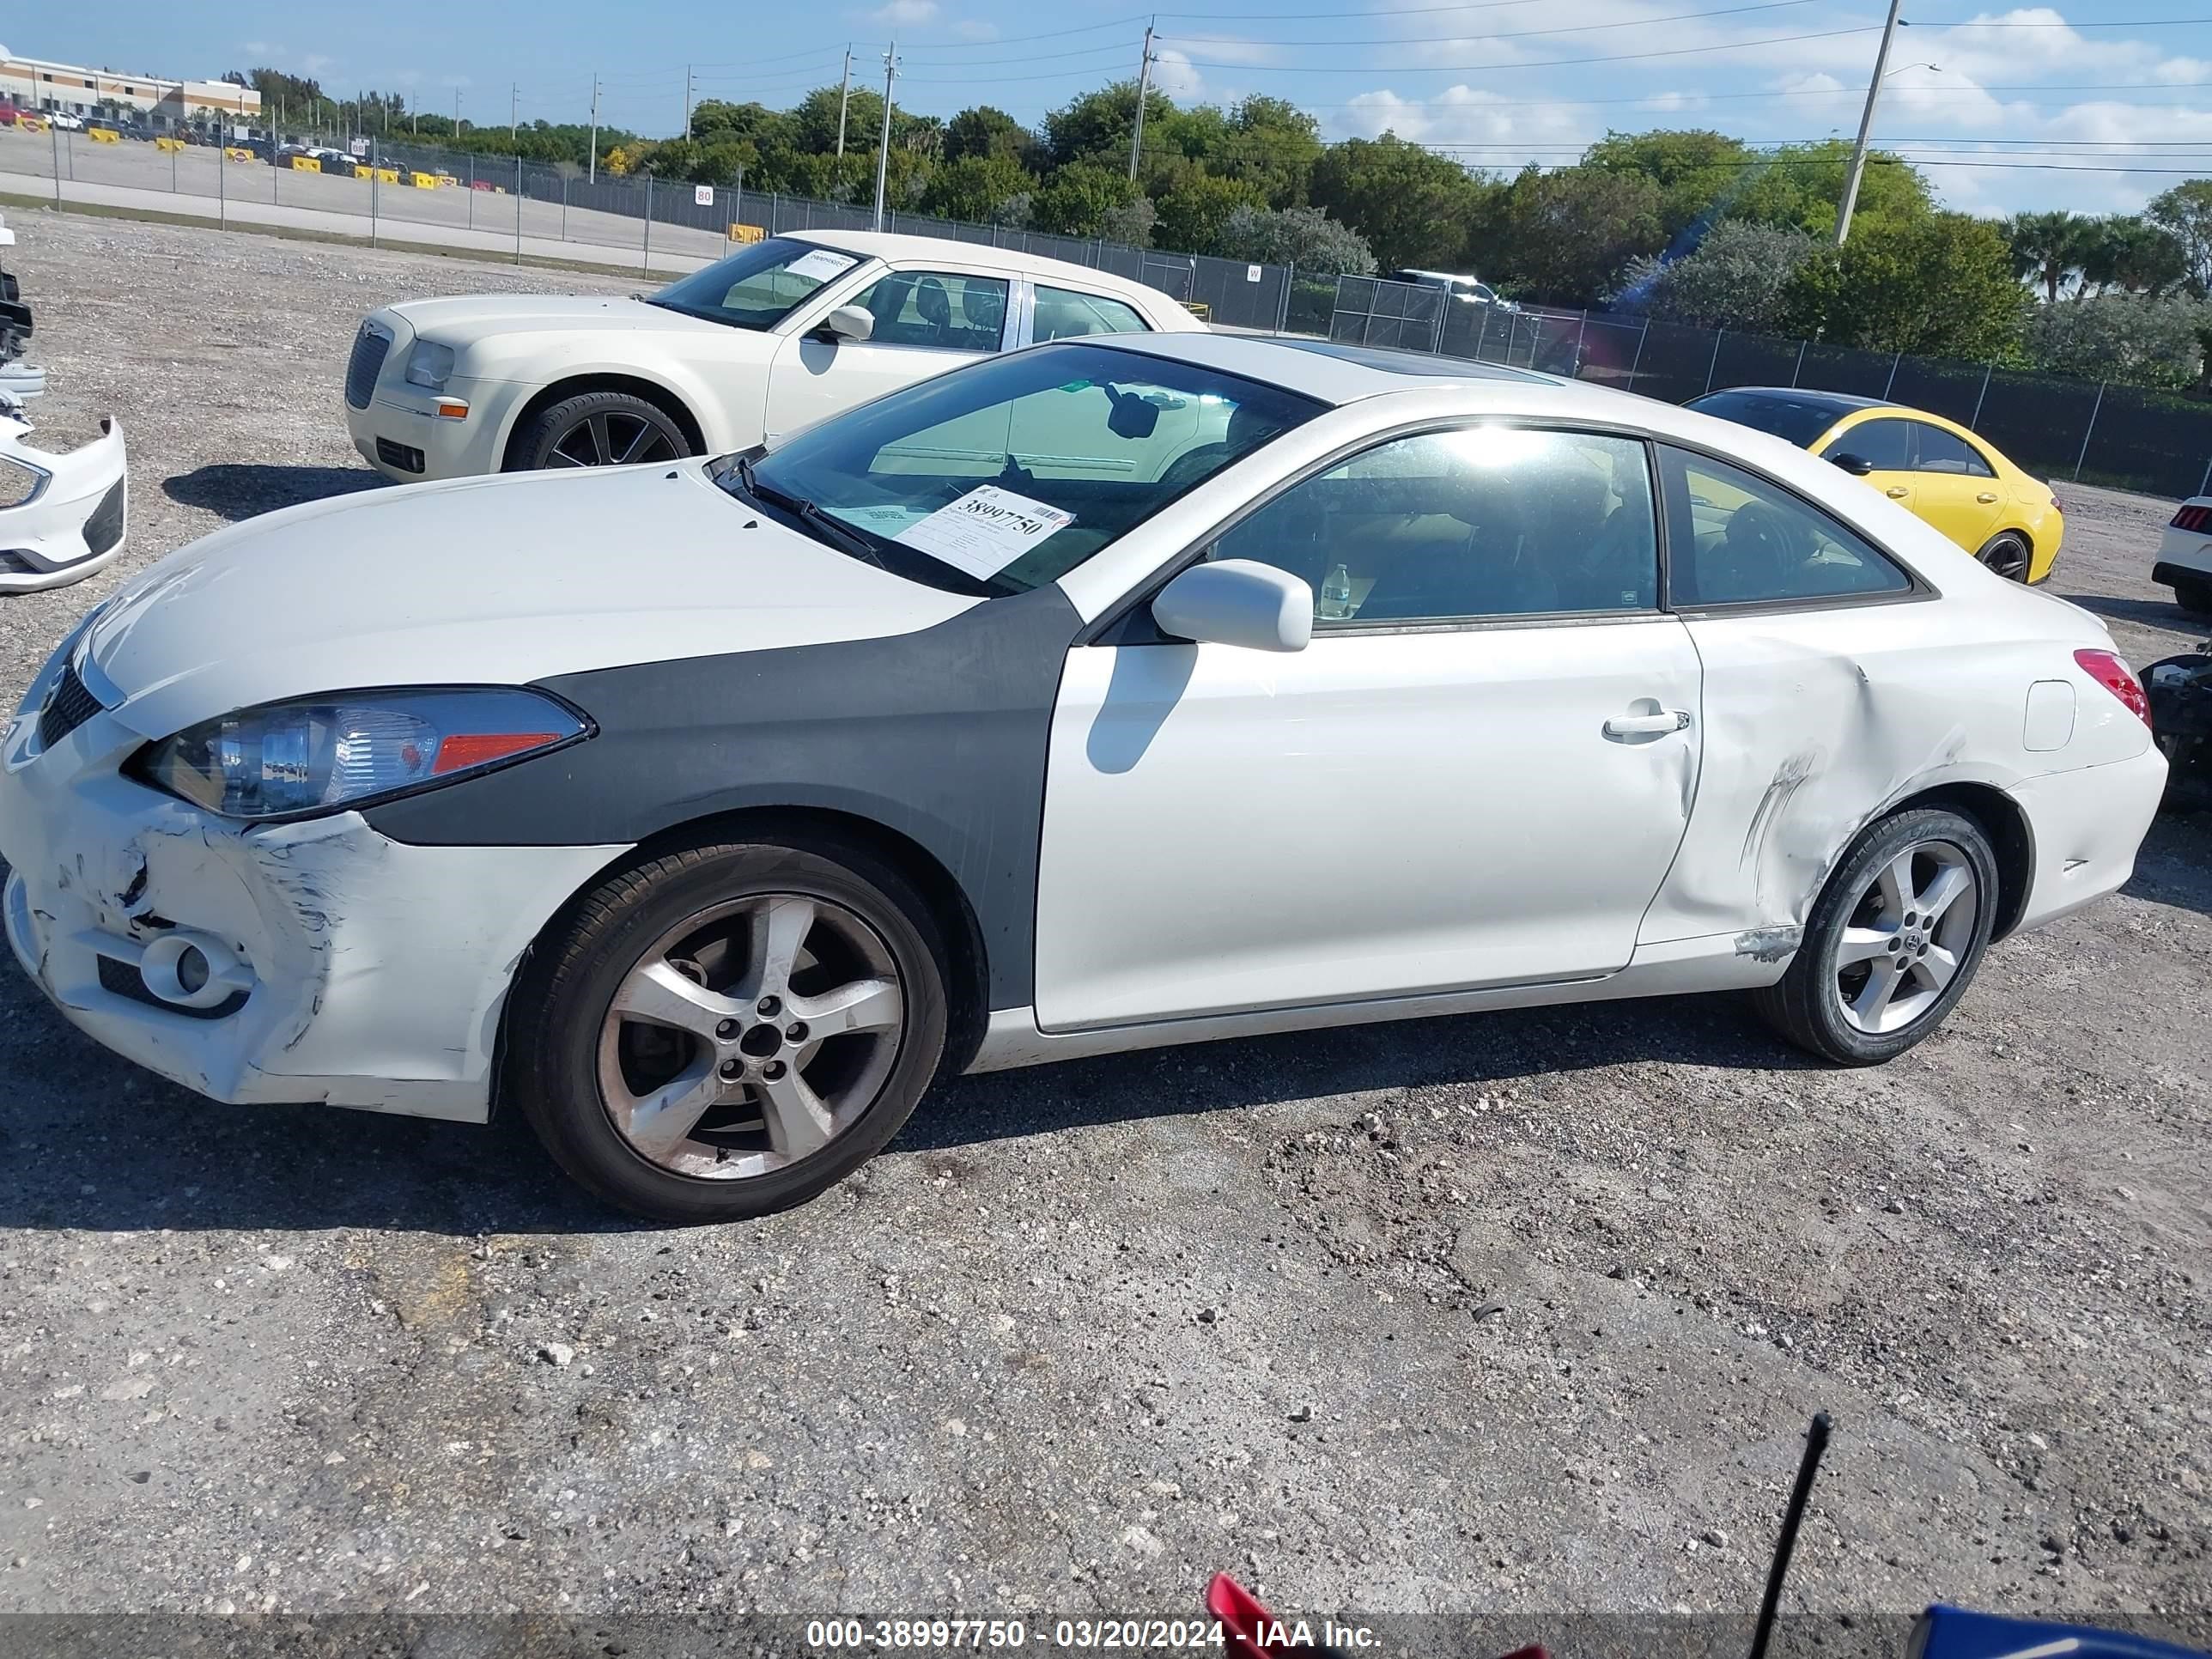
(263, 48)
(315, 62)
(1174, 74)
(905, 14)
(974, 28)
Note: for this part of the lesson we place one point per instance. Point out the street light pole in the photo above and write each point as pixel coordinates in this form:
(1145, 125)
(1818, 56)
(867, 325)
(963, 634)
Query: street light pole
(1866, 128)
(691, 85)
(884, 155)
(513, 110)
(592, 176)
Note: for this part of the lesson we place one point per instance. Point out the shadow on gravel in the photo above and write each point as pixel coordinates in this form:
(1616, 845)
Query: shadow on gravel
(238, 490)
(2175, 864)
(2154, 613)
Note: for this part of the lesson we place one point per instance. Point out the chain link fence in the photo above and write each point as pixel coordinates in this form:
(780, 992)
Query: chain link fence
(2129, 437)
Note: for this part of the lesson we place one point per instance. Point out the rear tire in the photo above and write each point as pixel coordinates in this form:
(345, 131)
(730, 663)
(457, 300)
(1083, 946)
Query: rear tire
(1893, 940)
(2009, 555)
(2194, 596)
(730, 1030)
(597, 428)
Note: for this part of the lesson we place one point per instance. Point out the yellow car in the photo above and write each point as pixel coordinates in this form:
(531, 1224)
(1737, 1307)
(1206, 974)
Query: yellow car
(1949, 476)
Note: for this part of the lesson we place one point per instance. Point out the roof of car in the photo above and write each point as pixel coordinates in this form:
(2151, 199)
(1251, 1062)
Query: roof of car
(1334, 372)
(1839, 401)
(884, 245)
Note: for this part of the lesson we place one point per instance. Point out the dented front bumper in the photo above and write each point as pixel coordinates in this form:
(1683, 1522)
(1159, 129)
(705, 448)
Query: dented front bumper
(354, 971)
(61, 516)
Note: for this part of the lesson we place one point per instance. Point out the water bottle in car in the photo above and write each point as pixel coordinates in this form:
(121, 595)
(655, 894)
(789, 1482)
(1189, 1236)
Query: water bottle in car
(1335, 596)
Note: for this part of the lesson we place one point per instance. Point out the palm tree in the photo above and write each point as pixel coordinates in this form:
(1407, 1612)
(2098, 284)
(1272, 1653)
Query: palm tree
(2048, 246)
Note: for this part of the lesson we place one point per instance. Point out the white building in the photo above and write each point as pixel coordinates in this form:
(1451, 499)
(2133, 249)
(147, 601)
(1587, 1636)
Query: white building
(35, 83)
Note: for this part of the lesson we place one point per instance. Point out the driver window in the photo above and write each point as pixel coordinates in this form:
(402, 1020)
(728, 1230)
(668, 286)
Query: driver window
(1886, 444)
(1734, 538)
(1476, 522)
(940, 310)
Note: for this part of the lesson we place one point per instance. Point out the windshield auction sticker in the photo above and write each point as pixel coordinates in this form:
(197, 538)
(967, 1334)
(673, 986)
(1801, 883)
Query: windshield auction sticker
(985, 530)
(821, 264)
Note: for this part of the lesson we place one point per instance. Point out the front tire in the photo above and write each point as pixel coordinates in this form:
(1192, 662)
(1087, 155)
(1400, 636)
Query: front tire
(597, 428)
(1893, 940)
(729, 1030)
(2009, 555)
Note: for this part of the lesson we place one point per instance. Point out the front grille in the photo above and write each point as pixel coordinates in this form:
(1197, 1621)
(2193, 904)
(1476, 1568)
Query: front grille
(399, 455)
(70, 707)
(126, 980)
(105, 527)
(366, 364)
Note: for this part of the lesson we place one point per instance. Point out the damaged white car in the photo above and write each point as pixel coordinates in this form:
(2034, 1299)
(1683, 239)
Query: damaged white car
(62, 515)
(1109, 694)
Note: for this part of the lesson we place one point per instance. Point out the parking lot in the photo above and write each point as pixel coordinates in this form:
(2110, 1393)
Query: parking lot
(1505, 1314)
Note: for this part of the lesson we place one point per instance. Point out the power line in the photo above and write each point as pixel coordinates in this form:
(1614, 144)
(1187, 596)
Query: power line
(1518, 34)
(1531, 63)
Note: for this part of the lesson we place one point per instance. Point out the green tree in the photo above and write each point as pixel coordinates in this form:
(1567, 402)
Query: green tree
(1081, 200)
(1696, 171)
(2185, 213)
(1566, 236)
(1941, 285)
(983, 132)
(1802, 184)
(974, 188)
(1413, 205)
(1304, 237)
(1737, 277)
(1193, 213)
(2138, 257)
(1097, 126)
(2120, 337)
(2049, 247)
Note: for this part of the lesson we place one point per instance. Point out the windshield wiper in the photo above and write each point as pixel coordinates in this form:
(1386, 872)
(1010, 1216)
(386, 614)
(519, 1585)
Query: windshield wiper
(827, 528)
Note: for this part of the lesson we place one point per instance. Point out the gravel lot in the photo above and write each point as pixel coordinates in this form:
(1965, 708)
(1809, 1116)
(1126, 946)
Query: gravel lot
(1506, 1314)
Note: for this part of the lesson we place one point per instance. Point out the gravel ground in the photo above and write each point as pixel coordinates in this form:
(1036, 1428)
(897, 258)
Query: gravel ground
(1503, 1313)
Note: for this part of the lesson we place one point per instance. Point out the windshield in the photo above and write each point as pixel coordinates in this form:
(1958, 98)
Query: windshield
(1005, 475)
(756, 287)
(1800, 420)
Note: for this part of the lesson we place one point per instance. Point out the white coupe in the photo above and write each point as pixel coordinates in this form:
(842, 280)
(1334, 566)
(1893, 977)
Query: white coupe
(1107, 694)
(769, 340)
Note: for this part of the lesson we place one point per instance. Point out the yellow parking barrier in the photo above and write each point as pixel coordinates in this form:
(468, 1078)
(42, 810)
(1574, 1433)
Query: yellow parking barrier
(305, 164)
(103, 135)
(747, 234)
(168, 143)
(29, 124)
(233, 151)
(1198, 309)
(448, 179)
(424, 180)
(382, 175)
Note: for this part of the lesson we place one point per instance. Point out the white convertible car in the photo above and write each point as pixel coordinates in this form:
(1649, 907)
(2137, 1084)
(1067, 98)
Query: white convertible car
(1107, 694)
(767, 341)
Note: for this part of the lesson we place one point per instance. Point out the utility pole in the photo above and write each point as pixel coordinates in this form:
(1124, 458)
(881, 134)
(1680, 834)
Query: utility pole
(594, 172)
(884, 155)
(1866, 128)
(1144, 89)
(690, 84)
(514, 111)
(844, 93)
(456, 112)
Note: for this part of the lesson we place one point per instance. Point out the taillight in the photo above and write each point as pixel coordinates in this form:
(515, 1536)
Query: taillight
(2117, 678)
(2197, 520)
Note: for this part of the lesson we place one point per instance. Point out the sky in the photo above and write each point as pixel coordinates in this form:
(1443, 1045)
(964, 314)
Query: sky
(2095, 105)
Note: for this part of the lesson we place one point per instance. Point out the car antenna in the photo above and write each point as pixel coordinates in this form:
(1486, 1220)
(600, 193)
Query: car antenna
(1816, 1443)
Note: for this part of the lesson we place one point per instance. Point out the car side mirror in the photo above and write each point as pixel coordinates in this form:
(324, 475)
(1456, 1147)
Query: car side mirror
(1857, 466)
(1134, 417)
(1237, 602)
(848, 323)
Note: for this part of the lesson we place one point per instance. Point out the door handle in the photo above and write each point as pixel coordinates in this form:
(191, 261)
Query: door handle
(1985, 497)
(1647, 725)
(1896, 490)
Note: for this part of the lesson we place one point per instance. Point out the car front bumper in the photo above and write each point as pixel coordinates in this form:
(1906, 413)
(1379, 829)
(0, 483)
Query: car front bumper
(75, 520)
(402, 436)
(346, 968)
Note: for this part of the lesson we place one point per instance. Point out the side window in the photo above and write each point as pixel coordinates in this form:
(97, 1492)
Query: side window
(1734, 538)
(1939, 451)
(1064, 314)
(938, 310)
(1887, 444)
(1479, 521)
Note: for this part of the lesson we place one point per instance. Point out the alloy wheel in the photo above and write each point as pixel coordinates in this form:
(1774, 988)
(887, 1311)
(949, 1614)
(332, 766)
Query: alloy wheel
(750, 1036)
(1910, 928)
(613, 439)
(2008, 557)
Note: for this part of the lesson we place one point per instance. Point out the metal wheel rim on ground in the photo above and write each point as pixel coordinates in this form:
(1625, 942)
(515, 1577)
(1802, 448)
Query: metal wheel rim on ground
(1909, 929)
(752, 1034)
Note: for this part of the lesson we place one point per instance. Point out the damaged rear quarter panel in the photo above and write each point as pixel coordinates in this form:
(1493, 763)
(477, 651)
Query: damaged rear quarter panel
(1816, 723)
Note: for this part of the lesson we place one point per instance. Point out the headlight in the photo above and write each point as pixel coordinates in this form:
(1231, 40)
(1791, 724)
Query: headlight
(325, 754)
(428, 364)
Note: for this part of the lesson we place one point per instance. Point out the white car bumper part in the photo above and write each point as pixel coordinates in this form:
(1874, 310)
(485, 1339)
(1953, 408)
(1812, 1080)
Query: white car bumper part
(61, 516)
(316, 961)
(413, 434)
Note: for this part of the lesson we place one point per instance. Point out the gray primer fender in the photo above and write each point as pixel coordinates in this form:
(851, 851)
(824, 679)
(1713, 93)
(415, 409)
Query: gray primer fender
(939, 735)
